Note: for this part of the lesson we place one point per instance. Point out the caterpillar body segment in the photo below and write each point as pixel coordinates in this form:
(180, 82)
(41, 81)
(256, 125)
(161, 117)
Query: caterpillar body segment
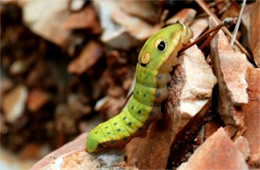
(155, 61)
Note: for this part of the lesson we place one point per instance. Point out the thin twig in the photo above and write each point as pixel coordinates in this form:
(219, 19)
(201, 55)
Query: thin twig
(205, 43)
(207, 10)
(214, 29)
(238, 23)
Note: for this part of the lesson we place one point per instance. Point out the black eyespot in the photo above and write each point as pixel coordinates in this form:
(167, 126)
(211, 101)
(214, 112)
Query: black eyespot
(161, 46)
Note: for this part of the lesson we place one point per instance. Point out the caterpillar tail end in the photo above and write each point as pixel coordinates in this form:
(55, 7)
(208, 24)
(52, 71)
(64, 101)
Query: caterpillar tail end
(92, 143)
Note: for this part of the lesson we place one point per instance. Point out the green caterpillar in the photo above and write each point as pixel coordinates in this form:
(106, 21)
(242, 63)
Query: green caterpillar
(155, 61)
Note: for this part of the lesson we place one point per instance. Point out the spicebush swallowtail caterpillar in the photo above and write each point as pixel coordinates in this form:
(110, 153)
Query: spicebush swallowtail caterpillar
(155, 62)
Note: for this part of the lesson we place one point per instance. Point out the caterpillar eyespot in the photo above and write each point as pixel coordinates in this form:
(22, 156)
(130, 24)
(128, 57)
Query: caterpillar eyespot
(161, 44)
(150, 90)
(145, 59)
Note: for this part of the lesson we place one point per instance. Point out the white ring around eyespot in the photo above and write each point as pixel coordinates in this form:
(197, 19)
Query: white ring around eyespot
(157, 42)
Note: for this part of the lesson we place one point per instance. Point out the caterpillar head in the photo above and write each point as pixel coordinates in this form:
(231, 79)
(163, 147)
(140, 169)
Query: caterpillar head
(163, 46)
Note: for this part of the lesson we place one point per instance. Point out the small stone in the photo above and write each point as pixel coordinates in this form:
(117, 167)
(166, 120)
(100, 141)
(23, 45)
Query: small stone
(217, 152)
(14, 103)
(230, 68)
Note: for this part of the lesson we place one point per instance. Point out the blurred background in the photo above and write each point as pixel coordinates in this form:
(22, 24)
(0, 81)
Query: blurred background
(66, 65)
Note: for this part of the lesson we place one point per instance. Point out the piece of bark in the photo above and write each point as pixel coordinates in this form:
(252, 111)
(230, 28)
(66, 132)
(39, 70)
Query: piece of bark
(84, 19)
(230, 68)
(185, 16)
(88, 57)
(73, 156)
(36, 99)
(14, 103)
(254, 41)
(252, 116)
(217, 152)
(188, 98)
